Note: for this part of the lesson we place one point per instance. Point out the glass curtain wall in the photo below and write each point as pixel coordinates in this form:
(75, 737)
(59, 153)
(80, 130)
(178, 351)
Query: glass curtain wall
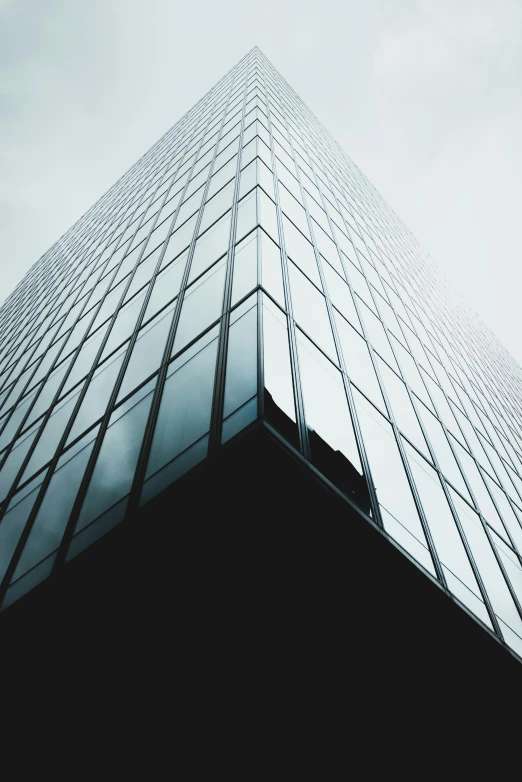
(245, 269)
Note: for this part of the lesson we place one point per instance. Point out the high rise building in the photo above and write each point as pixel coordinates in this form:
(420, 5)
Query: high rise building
(240, 356)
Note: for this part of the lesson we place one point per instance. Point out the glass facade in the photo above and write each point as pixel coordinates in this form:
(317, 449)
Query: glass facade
(244, 270)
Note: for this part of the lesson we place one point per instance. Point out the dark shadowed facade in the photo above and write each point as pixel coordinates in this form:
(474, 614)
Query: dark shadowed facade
(236, 394)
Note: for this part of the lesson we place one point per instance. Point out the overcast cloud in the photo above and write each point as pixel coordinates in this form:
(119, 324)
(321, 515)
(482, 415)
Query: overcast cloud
(426, 97)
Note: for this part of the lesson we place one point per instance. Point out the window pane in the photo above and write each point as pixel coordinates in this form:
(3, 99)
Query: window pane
(278, 392)
(300, 251)
(479, 490)
(271, 273)
(210, 247)
(12, 527)
(179, 241)
(332, 439)
(143, 274)
(246, 215)
(389, 477)
(184, 414)
(97, 397)
(147, 352)
(216, 207)
(358, 362)
(202, 305)
(50, 437)
(377, 336)
(124, 324)
(48, 528)
(310, 311)
(401, 406)
(340, 295)
(489, 569)
(114, 471)
(245, 267)
(84, 360)
(241, 376)
(446, 536)
(166, 286)
(13, 462)
(15, 420)
(447, 461)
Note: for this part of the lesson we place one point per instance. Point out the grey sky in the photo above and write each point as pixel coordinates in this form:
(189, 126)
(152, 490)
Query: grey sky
(426, 97)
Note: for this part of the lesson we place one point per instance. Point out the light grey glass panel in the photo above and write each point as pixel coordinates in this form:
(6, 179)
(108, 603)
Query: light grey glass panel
(360, 286)
(511, 564)
(143, 274)
(439, 442)
(446, 536)
(300, 251)
(14, 461)
(340, 295)
(189, 206)
(410, 372)
(327, 249)
(184, 414)
(141, 234)
(116, 463)
(157, 238)
(241, 372)
(310, 311)
(401, 406)
(327, 415)
(216, 207)
(441, 405)
(479, 490)
(508, 515)
(293, 210)
(249, 152)
(377, 336)
(147, 352)
(221, 177)
(390, 480)
(49, 525)
(289, 181)
(246, 215)
(358, 362)
(179, 241)
(202, 305)
(210, 246)
(12, 527)
(166, 286)
(128, 264)
(271, 273)
(95, 400)
(279, 393)
(170, 206)
(489, 569)
(245, 267)
(266, 179)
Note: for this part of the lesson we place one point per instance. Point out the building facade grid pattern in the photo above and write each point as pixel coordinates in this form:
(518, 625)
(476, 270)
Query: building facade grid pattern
(244, 268)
